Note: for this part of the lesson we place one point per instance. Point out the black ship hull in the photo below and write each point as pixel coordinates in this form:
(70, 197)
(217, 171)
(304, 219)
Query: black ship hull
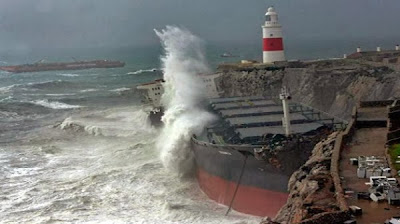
(244, 160)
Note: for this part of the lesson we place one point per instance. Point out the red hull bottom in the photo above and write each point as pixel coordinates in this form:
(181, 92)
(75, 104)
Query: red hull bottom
(249, 200)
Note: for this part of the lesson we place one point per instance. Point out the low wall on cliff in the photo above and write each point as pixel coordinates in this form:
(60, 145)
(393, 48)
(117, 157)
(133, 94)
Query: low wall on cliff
(316, 195)
(342, 139)
(319, 178)
(393, 136)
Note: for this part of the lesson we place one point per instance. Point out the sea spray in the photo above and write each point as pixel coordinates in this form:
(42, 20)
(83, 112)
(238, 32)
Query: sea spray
(183, 95)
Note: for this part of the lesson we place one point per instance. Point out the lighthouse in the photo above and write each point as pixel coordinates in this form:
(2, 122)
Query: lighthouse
(272, 38)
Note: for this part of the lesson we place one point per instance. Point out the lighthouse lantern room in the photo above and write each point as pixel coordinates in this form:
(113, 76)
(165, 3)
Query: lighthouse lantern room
(272, 38)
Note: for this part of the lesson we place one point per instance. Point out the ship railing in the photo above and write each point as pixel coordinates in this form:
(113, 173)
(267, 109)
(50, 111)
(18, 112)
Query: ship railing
(246, 147)
(318, 115)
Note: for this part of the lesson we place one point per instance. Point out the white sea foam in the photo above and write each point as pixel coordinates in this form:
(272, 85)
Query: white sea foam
(89, 178)
(88, 90)
(59, 94)
(142, 71)
(25, 86)
(7, 89)
(70, 124)
(54, 104)
(120, 89)
(6, 99)
(116, 124)
(68, 74)
(44, 82)
(184, 116)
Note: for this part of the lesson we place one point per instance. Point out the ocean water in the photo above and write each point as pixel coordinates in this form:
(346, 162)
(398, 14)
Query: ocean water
(76, 147)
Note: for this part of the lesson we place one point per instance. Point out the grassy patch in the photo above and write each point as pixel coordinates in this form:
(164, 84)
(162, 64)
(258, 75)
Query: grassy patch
(394, 152)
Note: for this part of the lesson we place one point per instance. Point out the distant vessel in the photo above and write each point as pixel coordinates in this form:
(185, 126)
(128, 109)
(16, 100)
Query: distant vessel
(59, 66)
(228, 55)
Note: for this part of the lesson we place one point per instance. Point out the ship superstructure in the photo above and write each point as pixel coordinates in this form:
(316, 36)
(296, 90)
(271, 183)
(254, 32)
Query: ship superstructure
(153, 91)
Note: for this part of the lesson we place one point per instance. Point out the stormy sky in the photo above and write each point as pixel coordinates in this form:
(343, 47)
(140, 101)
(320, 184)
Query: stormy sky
(41, 24)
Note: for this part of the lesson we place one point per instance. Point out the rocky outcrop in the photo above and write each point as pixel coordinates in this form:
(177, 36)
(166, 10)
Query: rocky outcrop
(333, 86)
(312, 191)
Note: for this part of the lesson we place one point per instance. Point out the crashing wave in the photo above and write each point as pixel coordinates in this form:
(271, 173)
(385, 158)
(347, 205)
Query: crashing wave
(142, 71)
(110, 123)
(69, 124)
(54, 104)
(184, 115)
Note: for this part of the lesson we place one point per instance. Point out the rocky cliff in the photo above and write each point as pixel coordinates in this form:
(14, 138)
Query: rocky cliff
(333, 86)
(312, 191)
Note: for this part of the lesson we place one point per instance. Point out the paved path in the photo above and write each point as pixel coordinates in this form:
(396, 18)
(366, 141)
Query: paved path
(367, 142)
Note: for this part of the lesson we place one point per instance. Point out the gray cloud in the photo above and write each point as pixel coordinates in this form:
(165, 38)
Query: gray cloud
(26, 24)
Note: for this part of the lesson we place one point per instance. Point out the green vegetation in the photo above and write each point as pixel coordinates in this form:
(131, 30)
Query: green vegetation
(394, 152)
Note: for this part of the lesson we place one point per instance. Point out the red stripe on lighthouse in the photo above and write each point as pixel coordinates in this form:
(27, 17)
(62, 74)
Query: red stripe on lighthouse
(272, 44)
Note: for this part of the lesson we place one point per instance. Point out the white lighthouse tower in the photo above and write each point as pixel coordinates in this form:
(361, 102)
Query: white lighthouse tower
(272, 38)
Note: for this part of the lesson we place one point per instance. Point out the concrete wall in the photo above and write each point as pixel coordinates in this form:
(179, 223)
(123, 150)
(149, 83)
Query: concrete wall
(393, 136)
(376, 103)
(329, 217)
(394, 116)
(342, 139)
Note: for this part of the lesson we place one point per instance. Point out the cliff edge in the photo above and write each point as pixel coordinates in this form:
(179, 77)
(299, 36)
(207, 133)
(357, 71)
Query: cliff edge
(312, 197)
(332, 86)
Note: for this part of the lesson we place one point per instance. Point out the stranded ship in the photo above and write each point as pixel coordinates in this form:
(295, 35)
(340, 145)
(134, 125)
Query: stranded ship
(152, 91)
(244, 160)
(58, 66)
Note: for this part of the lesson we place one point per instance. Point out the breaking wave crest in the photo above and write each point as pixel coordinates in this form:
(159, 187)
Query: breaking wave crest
(142, 71)
(7, 89)
(36, 85)
(184, 92)
(49, 84)
(120, 89)
(111, 124)
(88, 90)
(54, 104)
(68, 75)
(70, 124)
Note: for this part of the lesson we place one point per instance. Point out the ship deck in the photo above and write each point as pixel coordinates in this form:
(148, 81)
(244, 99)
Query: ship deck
(251, 111)
(240, 104)
(247, 119)
(277, 130)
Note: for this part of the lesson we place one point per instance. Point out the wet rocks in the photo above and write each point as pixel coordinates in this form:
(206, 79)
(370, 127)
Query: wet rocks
(312, 191)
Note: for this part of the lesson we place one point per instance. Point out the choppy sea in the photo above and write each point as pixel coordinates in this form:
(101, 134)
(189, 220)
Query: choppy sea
(76, 147)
